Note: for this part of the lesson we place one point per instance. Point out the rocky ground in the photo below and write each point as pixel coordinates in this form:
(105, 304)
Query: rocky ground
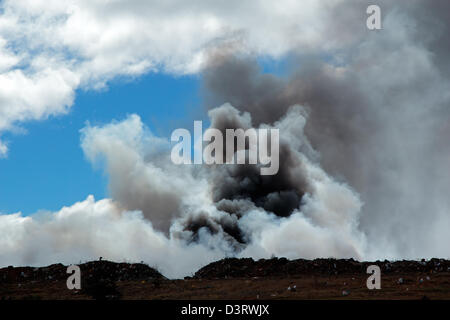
(234, 279)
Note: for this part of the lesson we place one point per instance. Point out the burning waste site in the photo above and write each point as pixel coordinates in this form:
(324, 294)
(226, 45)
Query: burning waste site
(352, 136)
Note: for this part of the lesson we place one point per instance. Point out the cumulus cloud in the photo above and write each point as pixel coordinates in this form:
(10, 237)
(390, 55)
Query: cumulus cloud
(49, 49)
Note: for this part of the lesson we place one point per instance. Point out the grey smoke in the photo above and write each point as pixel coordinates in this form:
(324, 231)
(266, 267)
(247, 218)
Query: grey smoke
(379, 119)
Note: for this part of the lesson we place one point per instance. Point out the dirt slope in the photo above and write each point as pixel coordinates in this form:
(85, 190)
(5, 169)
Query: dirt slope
(235, 279)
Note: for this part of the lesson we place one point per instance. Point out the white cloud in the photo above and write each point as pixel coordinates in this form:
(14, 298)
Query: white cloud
(48, 49)
(3, 149)
(33, 97)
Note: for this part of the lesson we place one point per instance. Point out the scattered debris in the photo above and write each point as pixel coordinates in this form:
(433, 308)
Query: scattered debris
(96, 269)
(103, 279)
(249, 268)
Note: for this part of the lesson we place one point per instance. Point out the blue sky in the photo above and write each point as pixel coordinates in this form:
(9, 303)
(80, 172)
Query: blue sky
(46, 168)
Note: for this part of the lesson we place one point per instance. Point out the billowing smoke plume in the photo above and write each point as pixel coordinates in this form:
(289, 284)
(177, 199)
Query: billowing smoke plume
(194, 213)
(364, 156)
(379, 119)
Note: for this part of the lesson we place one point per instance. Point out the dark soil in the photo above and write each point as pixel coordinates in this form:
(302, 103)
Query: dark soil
(234, 279)
(243, 268)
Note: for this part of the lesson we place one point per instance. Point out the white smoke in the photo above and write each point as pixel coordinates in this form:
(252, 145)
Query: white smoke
(152, 198)
(90, 229)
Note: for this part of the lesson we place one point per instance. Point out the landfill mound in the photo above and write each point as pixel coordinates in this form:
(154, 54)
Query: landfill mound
(105, 270)
(281, 267)
(233, 278)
